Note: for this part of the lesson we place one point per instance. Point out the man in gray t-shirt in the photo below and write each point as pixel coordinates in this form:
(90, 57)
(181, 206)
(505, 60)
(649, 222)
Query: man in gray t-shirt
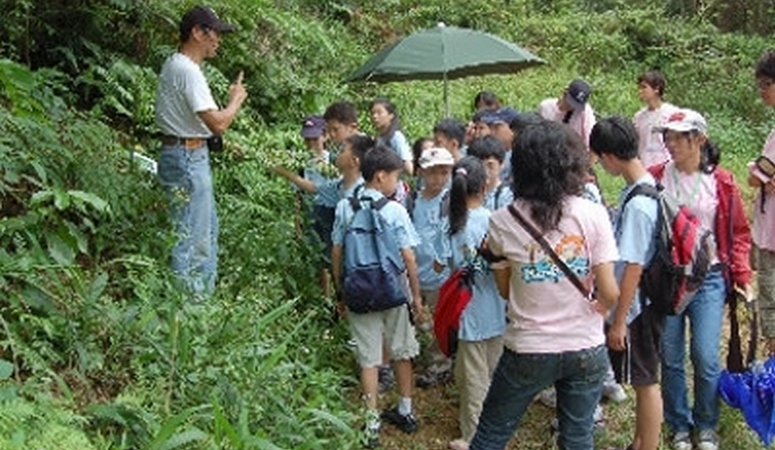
(188, 116)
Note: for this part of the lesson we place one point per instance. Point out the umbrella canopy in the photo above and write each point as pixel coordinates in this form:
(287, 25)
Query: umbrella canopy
(444, 53)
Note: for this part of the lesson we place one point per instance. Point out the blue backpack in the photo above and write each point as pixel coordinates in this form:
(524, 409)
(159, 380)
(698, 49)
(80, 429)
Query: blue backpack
(372, 275)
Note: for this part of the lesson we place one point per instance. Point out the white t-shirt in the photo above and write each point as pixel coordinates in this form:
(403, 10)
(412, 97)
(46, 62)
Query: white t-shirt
(182, 93)
(547, 314)
(651, 146)
(581, 121)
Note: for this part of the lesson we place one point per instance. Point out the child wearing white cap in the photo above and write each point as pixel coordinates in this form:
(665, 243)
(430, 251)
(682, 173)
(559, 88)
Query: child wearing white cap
(428, 210)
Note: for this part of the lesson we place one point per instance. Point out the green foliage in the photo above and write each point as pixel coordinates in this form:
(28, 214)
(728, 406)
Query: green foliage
(41, 424)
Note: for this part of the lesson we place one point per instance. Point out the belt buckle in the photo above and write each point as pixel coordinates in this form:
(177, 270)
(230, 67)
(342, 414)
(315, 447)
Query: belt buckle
(192, 144)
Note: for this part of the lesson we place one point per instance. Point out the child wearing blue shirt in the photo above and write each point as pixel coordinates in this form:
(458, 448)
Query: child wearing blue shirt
(381, 168)
(428, 211)
(490, 151)
(635, 330)
(484, 319)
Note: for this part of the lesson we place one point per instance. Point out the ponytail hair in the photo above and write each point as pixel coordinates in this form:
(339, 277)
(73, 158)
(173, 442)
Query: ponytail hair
(710, 156)
(468, 179)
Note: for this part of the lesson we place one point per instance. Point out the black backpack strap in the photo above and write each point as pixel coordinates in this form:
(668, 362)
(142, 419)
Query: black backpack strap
(642, 189)
(498, 191)
(355, 201)
(410, 201)
(444, 206)
(571, 275)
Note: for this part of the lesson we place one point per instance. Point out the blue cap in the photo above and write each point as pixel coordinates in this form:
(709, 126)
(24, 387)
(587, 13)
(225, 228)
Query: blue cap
(505, 115)
(313, 127)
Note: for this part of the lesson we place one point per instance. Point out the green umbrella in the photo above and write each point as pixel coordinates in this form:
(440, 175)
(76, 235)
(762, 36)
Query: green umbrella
(444, 53)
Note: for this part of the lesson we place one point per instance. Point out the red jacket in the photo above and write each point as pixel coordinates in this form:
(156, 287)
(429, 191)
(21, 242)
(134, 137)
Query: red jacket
(732, 232)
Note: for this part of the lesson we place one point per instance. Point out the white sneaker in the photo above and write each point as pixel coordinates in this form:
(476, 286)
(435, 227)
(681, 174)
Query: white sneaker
(707, 440)
(614, 392)
(681, 441)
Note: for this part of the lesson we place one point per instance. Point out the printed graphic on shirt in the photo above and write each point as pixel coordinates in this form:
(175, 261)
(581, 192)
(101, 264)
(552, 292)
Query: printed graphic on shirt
(570, 249)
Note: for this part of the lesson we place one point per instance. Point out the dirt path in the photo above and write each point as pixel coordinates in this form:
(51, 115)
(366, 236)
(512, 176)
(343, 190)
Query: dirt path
(437, 412)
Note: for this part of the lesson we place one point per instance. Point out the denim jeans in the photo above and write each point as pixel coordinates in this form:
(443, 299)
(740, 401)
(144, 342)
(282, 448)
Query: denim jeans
(705, 314)
(187, 181)
(578, 378)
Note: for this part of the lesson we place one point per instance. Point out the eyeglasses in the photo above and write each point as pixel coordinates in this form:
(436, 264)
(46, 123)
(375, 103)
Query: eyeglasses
(764, 84)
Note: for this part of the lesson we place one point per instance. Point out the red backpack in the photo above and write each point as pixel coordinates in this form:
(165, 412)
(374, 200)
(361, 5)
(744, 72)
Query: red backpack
(682, 254)
(454, 296)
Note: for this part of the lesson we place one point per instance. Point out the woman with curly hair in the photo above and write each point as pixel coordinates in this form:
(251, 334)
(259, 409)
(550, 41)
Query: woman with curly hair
(554, 334)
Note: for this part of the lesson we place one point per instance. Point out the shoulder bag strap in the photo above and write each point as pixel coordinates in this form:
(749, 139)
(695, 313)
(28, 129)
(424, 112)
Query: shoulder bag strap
(549, 251)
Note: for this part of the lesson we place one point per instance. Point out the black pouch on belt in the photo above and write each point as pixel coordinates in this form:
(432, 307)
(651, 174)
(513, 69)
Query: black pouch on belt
(215, 143)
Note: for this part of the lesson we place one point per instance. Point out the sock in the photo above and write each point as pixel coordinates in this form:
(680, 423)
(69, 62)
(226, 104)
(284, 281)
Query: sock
(405, 406)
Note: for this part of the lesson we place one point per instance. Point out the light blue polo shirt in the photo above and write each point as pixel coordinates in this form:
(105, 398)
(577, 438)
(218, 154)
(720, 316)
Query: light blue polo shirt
(485, 315)
(400, 230)
(499, 197)
(330, 192)
(428, 222)
(634, 231)
(399, 144)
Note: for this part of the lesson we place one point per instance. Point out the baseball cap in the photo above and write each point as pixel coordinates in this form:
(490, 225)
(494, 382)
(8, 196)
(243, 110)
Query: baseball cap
(436, 156)
(204, 16)
(577, 94)
(505, 115)
(684, 120)
(313, 127)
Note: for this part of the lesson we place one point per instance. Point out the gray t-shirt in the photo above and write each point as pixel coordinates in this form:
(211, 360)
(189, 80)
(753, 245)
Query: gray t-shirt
(182, 93)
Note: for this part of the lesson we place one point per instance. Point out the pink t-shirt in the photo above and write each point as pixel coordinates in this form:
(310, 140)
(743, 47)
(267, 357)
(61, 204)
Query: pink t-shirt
(651, 146)
(764, 222)
(547, 314)
(697, 191)
(581, 121)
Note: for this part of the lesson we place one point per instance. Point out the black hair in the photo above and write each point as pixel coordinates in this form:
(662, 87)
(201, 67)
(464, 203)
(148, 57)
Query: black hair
(380, 158)
(549, 163)
(395, 124)
(486, 147)
(524, 120)
(616, 136)
(342, 111)
(417, 149)
(489, 99)
(710, 156)
(452, 129)
(479, 115)
(655, 79)
(360, 144)
(765, 67)
(468, 179)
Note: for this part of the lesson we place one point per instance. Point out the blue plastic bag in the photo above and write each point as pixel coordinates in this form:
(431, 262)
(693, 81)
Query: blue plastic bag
(753, 392)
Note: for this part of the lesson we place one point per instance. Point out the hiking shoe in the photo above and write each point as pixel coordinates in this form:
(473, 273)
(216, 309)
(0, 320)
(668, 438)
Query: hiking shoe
(681, 440)
(614, 392)
(432, 378)
(406, 423)
(370, 437)
(548, 397)
(386, 379)
(707, 440)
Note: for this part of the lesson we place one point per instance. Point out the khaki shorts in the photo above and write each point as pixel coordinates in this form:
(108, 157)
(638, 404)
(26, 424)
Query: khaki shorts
(368, 330)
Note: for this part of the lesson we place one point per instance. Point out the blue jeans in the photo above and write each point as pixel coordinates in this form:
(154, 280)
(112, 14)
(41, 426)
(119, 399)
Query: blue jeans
(705, 314)
(188, 185)
(578, 378)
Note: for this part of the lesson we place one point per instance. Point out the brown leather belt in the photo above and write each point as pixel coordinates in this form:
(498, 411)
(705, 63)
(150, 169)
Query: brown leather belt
(188, 143)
